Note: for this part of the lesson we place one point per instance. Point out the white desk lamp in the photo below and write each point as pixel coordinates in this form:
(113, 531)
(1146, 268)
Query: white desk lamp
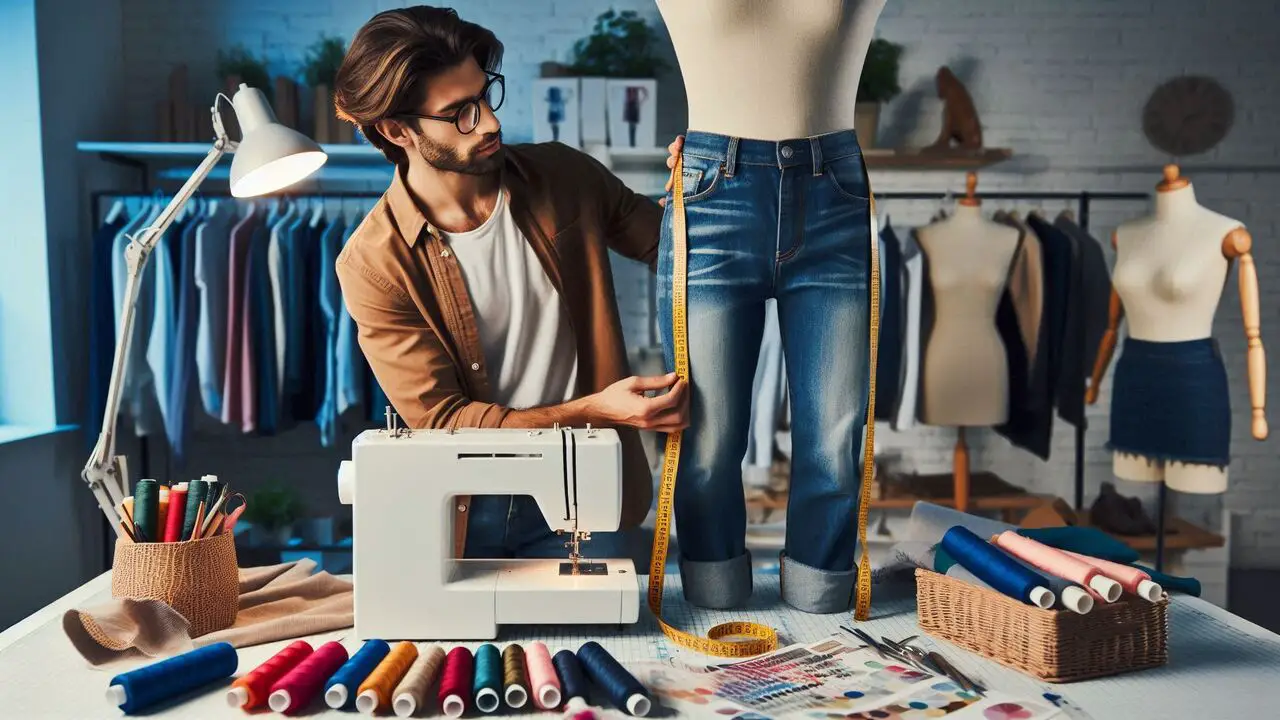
(269, 157)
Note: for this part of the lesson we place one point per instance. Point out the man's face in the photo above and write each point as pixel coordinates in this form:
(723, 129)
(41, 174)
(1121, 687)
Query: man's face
(440, 144)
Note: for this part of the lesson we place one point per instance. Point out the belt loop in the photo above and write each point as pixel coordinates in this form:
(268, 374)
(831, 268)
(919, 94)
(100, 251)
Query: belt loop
(731, 157)
(815, 146)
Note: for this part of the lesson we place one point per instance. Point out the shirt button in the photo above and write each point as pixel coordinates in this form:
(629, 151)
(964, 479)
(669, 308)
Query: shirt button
(475, 366)
(444, 253)
(787, 151)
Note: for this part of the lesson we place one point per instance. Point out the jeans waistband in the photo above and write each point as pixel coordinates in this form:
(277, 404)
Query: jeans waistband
(808, 153)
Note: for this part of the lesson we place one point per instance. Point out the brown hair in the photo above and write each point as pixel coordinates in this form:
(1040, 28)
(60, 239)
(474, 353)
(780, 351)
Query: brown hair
(392, 56)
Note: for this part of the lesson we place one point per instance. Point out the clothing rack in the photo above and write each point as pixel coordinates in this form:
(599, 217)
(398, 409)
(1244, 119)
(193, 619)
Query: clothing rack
(1083, 200)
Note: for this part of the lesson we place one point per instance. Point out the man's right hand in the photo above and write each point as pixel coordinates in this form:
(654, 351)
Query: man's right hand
(625, 403)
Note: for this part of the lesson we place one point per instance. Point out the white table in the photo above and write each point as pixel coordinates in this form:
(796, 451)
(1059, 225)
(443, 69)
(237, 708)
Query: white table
(1220, 666)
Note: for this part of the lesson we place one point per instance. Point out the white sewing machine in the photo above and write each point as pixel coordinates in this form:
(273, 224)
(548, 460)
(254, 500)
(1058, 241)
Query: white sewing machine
(403, 484)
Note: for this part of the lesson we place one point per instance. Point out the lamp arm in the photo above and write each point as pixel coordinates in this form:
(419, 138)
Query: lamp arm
(105, 473)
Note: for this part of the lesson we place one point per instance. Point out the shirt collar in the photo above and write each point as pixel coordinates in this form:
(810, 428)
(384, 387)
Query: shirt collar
(408, 215)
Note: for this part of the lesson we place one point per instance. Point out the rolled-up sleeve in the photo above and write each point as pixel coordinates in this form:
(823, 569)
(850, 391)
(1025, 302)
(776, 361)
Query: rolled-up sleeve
(406, 355)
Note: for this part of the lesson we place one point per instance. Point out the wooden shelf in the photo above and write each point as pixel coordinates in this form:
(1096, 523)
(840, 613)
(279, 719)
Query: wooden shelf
(925, 159)
(1178, 533)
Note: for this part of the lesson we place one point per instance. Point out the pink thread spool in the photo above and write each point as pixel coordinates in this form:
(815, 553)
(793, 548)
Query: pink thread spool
(542, 676)
(1052, 560)
(299, 687)
(1134, 580)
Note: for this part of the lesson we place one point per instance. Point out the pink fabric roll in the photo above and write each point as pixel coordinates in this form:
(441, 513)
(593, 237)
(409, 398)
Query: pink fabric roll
(1057, 562)
(541, 674)
(1131, 578)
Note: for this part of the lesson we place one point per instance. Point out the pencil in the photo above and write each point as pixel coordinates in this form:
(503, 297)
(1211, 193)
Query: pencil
(195, 530)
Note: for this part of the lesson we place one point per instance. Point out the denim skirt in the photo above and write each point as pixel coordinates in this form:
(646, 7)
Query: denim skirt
(1170, 402)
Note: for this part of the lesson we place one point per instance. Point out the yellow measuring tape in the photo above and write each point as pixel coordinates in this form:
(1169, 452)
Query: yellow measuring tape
(755, 638)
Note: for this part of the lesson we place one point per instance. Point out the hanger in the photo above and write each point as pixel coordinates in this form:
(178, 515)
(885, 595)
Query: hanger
(970, 198)
(117, 207)
(318, 214)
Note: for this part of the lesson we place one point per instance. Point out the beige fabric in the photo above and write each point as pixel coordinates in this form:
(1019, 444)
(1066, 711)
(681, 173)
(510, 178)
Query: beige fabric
(1026, 284)
(277, 602)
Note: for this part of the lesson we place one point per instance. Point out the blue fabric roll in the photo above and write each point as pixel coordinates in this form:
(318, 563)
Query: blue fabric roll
(991, 564)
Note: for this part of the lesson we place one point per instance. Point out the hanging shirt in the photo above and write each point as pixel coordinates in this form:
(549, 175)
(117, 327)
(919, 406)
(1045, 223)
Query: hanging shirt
(184, 362)
(233, 395)
(1087, 321)
(278, 276)
(164, 319)
(295, 320)
(913, 262)
(889, 357)
(528, 344)
(260, 368)
(349, 359)
(102, 337)
(213, 256)
(330, 297)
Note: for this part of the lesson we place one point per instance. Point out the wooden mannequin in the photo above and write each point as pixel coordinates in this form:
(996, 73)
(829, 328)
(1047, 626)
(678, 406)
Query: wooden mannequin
(966, 377)
(1168, 281)
(771, 69)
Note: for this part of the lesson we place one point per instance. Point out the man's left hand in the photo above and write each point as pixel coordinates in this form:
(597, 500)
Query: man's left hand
(674, 149)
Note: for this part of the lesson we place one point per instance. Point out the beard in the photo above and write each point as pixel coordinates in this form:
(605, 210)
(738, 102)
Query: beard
(447, 158)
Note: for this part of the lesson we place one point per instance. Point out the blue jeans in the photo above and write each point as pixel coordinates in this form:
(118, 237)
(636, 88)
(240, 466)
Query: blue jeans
(786, 220)
(512, 526)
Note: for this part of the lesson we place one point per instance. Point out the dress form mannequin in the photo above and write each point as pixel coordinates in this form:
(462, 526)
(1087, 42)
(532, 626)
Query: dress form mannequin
(966, 378)
(1169, 274)
(771, 69)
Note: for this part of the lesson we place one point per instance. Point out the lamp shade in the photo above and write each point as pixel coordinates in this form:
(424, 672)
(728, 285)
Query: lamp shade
(270, 156)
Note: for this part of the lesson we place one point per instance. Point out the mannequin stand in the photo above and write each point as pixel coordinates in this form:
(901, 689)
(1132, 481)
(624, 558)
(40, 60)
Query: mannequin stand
(960, 471)
(1164, 489)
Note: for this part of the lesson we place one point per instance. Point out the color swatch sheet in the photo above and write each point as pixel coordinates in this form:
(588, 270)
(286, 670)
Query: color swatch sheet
(837, 677)
(1220, 666)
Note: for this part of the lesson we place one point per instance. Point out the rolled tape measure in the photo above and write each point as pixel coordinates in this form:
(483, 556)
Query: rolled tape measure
(755, 639)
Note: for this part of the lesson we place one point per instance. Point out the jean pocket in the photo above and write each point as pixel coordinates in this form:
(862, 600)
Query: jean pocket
(848, 178)
(701, 177)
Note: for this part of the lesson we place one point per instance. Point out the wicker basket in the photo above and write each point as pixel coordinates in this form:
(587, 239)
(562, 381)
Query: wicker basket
(1056, 646)
(198, 578)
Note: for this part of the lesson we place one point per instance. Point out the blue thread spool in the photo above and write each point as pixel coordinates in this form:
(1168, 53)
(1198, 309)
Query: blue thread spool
(488, 679)
(623, 689)
(997, 569)
(572, 682)
(137, 690)
(339, 692)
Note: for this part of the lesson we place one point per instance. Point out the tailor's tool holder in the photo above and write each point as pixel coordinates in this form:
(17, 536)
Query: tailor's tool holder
(198, 578)
(1053, 645)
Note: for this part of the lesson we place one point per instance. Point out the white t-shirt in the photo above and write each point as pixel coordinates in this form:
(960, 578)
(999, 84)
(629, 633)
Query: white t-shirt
(528, 344)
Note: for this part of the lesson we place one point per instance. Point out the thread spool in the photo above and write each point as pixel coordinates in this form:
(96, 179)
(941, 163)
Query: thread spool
(996, 568)
(515, 678)
(146, 507)
(339, 691)
(195, 494)
(138, 690)
(1055, 561)
(572, 682)
(299, 686)
(252, 691)
(375, 692)
(177, 511)
(455, 682)
(411, 693)
(1130, 578)
(542, 677)
(488, 678)
(623, 689)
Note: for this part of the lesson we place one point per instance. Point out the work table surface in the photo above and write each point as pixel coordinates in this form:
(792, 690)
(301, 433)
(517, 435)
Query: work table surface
(1220, 665)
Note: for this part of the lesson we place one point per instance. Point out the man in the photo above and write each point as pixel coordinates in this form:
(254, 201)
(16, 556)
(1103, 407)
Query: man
(480, 283)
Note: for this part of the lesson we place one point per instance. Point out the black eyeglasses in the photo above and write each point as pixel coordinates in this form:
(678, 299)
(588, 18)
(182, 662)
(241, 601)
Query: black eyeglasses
(467, 118)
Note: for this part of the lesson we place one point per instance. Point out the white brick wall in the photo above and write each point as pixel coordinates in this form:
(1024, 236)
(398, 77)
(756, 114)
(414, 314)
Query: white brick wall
(1061, 83)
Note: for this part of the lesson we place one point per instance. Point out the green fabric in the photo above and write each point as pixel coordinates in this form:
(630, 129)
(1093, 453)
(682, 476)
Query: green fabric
(1171, 583)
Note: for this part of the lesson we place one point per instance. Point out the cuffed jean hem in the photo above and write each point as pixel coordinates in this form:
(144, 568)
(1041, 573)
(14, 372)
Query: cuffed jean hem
(816, 591)
(718, 584)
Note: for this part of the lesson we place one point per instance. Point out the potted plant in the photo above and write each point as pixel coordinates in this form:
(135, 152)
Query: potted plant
(618, 63)
(320, 70)
(272, 512)
(237, 65)
(878, 85)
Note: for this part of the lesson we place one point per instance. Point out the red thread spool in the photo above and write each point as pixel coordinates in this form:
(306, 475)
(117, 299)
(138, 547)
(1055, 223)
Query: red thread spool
(455, 682)
(299, 686)
(251, 691)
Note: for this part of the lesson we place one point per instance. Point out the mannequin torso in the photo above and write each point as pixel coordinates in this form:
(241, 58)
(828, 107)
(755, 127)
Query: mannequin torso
(771, 69)
(1169, 273)
(966, 379)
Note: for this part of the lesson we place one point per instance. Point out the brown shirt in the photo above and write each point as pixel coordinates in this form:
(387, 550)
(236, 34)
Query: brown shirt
(417, 327)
